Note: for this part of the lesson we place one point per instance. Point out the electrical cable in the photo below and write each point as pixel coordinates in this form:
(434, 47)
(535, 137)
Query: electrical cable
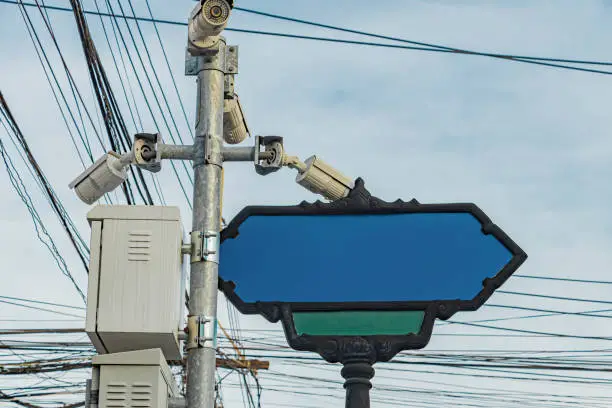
(572, 299)
(130, 60)
(552, 278)
(73, 234)
(431, 48)
(546, 313)
(41, 231)
(430, 45)
(69, 75)
(569, 336)
(163, 49)
(153, 70)
(40, 308)
(41, 302)
(113, 120)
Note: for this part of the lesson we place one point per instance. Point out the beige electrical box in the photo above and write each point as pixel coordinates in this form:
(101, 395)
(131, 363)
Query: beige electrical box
(132, 379)
(135, 296)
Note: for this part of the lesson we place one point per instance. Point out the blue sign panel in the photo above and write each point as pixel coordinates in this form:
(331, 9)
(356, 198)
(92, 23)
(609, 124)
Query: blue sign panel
(336, 258)
(359, 264)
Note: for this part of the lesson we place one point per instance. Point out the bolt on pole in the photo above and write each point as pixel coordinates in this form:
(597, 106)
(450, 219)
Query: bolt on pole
(207, 167)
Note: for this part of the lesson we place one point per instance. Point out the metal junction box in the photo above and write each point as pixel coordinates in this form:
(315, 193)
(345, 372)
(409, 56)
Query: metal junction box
(131, 379)
(135, 296)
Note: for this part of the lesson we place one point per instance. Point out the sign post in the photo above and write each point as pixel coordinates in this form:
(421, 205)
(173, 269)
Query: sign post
(359, 279)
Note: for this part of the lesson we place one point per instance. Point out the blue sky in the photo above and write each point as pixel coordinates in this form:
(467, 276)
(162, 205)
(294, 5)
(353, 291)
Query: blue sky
(530, 145)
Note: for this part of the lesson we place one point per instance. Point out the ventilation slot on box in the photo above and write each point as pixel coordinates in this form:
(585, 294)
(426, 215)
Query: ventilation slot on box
(116, 395)
(139, 246)
(120, 395)
(141, 395)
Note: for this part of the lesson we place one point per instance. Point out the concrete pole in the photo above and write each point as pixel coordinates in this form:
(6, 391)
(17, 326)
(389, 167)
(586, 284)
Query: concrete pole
(207, 166)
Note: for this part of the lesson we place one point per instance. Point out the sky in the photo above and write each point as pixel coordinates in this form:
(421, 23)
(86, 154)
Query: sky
(528, 144)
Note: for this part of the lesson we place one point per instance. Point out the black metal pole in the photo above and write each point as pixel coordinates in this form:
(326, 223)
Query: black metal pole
(357, 374)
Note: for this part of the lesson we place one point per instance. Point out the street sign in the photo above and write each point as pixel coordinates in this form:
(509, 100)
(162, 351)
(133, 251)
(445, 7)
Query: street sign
(360, 275)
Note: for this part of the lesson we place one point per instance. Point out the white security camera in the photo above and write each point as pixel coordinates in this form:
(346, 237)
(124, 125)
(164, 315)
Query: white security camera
(102, 177)
(320, 178)
(207, 21)
(235, 128)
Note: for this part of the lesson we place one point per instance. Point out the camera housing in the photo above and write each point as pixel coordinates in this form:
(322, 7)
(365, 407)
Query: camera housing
(321, 178)
(102, 177)
(235, 128)
(207, 20)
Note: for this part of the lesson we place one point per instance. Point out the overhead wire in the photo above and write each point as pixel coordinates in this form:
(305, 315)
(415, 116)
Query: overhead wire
(50, 73)
(566, 298)
(38, 308)
(74, 88)
(133, 105)
(559, 279)
(41, 230)
(41, 302)
(113, 119)
(546, 313)
(536, 332)
(423, 44)
(146, 99)
(160, 86)
(163, 49)
(542, 61)
(77, 241)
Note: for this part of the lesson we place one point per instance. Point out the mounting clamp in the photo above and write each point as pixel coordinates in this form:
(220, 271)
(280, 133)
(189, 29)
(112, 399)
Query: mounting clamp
(205, 246)
(202, 332)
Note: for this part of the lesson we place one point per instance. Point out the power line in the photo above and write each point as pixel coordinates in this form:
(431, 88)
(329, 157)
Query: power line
(41, 231)
(572, 299)
(429, 48)
(163, 49)
(40, 309)
(552, 278)
(41, 302)
(561, 335)
(73, 234)
(546, 312)
(4, 332)
(113, 119)
(436, 46)
(140, 85)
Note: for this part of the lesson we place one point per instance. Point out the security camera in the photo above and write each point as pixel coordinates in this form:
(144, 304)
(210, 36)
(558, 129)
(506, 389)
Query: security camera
(235, 128)
(102, 177)
(207, 21)
(320, 178)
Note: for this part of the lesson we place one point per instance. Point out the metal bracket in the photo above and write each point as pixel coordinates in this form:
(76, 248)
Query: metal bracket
(205, 246)
(199, 59)
(211, 158)
(146, 151)
(231, 69)
(274, 154)
(231, 59)
(228, 86)
(202, 332)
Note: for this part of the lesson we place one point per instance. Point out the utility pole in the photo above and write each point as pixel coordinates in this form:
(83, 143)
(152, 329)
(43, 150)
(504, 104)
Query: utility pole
(206, 59)
(207, 167)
